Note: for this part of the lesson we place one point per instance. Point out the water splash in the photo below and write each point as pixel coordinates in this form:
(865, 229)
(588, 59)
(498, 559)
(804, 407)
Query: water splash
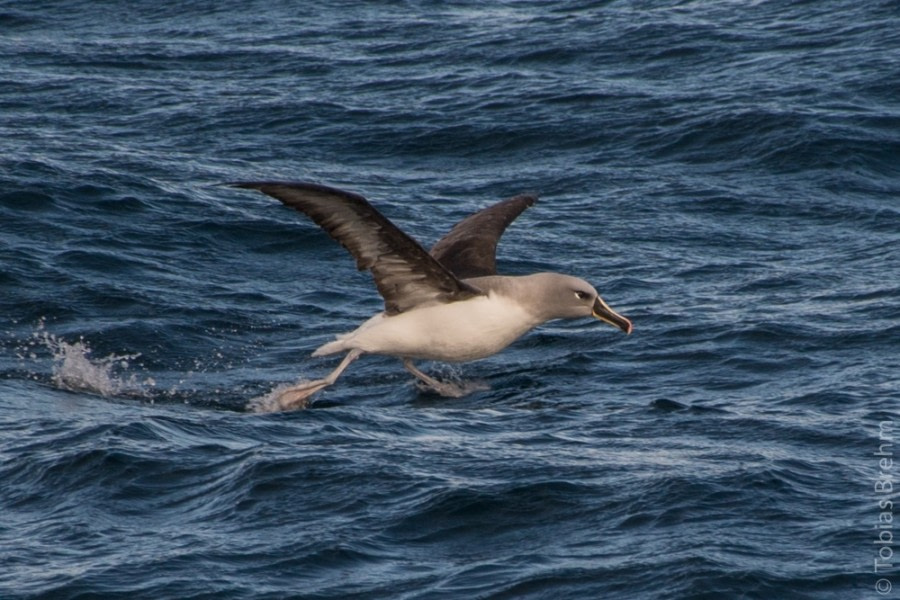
(450, 382)
(269, 403)
(76, 369)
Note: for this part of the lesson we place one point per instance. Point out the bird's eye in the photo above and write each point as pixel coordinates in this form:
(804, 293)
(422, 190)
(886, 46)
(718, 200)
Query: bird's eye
(582, 295)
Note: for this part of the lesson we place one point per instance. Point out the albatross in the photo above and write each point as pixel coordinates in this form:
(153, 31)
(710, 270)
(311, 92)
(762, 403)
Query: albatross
(446, 305)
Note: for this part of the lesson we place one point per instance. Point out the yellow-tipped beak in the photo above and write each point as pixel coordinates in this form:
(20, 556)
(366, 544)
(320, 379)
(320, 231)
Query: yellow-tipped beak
(608, 315)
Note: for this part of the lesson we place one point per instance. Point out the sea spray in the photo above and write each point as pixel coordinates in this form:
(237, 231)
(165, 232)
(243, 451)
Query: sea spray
(75, 368)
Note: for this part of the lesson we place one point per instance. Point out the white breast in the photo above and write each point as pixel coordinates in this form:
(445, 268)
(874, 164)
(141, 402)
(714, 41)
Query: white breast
(455, 332)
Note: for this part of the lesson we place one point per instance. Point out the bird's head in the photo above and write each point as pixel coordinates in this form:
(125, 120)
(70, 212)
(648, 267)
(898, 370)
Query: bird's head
(571, 298)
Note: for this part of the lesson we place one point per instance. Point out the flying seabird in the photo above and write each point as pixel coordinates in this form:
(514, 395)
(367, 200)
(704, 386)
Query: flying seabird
(446, 305)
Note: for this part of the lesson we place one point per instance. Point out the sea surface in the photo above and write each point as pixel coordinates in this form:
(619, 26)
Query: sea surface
(726, 173)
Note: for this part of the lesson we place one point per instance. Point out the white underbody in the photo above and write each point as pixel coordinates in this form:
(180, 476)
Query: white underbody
(455, 332)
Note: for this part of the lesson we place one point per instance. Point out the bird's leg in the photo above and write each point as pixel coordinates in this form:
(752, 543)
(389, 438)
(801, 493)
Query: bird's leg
(297, 396)
(444, 389)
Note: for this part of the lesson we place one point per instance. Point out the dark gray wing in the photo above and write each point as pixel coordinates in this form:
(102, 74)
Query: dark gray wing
(470, 249)
(405, 274)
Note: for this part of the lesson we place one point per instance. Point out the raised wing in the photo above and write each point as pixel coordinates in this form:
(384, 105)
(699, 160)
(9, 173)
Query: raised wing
(470, 249)
(405, 274)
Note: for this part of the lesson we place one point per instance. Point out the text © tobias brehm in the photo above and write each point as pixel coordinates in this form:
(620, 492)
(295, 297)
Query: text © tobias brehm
(884, 494)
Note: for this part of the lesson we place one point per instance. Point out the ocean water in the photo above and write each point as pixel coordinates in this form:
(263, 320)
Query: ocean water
(727, 174)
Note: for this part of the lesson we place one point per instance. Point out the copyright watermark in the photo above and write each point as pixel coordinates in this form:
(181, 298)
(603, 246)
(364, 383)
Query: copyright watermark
(884, 496)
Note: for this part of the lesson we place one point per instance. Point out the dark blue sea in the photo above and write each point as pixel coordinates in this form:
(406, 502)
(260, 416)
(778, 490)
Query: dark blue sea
(726, 173)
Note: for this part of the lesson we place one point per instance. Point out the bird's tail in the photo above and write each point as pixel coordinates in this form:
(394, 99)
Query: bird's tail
(332, 347)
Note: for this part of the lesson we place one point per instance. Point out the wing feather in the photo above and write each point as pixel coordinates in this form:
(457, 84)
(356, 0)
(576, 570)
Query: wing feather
(470, 248)
(405, 274)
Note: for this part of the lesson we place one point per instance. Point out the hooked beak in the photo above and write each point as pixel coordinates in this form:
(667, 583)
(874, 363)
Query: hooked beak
(603, 312)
